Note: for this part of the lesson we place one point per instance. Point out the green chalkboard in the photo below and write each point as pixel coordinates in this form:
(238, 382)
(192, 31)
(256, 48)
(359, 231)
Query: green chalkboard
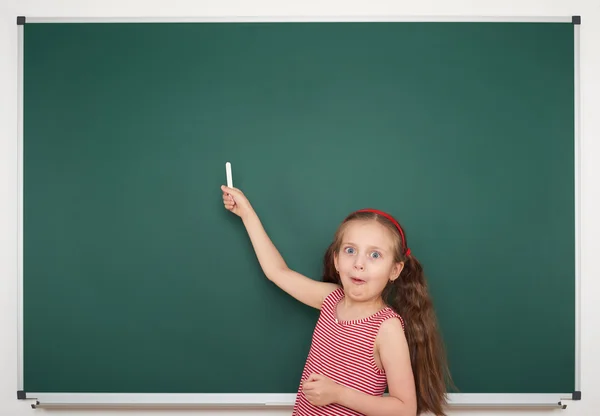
(135, 279)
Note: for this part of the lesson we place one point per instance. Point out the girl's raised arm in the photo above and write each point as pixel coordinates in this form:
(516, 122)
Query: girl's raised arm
(302, 288)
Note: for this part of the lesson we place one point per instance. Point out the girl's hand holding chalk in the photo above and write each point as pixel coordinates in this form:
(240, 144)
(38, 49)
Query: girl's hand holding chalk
(234, 199)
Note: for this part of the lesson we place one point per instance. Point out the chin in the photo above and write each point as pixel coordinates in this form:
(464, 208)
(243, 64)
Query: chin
(357, 290)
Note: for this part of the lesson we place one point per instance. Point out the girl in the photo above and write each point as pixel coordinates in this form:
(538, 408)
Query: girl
(376, 328)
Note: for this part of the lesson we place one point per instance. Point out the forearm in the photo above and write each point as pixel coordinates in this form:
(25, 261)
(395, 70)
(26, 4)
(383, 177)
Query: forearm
(373, 405)
(268, 256)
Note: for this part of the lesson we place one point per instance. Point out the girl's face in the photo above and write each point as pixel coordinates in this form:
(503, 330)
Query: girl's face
(365, 260)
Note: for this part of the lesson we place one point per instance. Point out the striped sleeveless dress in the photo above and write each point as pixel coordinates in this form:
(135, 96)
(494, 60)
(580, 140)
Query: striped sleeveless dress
(343, 351)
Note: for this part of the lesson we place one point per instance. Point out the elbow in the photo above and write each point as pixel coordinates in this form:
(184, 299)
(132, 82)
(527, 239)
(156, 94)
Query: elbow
(276, 274)
(410, 410)
(405, 408)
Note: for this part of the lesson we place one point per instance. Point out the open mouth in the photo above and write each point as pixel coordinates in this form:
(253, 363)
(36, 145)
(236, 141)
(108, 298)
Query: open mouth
(357, 281)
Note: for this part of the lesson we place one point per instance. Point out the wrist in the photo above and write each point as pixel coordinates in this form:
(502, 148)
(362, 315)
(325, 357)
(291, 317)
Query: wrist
(339, 393)
(248, 215)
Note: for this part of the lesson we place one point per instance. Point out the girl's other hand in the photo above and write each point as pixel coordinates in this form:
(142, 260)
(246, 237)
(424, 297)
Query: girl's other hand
(320, 390)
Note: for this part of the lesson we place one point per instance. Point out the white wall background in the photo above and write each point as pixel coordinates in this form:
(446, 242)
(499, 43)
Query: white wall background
(590, 101)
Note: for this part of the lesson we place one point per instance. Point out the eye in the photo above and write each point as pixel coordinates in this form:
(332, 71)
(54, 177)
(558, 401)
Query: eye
(349, 250)
(375, 255)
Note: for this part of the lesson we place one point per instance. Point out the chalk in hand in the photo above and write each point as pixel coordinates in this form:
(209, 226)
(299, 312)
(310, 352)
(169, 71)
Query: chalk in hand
(228, 172)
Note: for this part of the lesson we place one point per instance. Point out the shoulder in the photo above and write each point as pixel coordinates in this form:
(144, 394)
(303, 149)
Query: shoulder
(333, 297)
(391, 331)
(392, 327)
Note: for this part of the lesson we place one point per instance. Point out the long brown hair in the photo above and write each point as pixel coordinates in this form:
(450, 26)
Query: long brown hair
(408, 295)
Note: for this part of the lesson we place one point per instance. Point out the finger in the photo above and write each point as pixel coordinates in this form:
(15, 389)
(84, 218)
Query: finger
(312, 400)
(314, 377)
(232, 191)
(227, 189)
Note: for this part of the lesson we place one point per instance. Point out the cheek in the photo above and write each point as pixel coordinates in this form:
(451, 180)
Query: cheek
(343, 262)
(383, 270)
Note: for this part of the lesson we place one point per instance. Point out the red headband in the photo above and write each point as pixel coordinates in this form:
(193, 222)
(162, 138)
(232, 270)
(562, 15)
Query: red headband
(389, 217)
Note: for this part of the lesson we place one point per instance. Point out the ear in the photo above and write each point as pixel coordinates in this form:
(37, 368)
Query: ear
(396, 270)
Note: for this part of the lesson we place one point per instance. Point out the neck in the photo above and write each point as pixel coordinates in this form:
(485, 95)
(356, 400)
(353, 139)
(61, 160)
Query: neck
(364, 308)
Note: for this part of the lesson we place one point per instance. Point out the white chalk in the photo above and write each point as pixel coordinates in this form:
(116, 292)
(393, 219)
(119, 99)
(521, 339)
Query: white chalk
(228, 172)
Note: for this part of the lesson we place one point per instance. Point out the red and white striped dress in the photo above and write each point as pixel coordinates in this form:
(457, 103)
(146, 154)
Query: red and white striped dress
(344, 352)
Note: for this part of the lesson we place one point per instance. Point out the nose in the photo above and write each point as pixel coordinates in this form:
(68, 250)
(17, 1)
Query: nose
(358, 265)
